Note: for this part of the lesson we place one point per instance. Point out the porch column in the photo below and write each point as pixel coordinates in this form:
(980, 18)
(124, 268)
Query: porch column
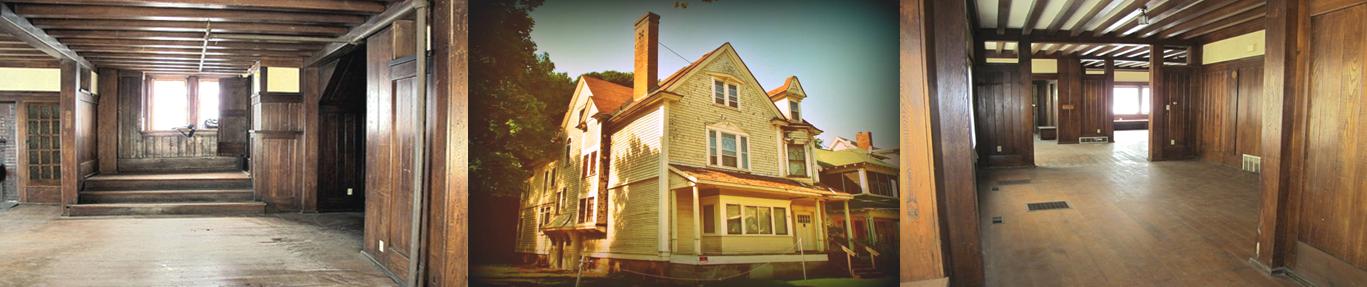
(864, 180)
(821, 221)
(849, 226)
(697, 221)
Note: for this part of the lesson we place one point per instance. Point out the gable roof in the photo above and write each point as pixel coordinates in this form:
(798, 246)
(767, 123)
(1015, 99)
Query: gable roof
(607, 96)
(777, 93)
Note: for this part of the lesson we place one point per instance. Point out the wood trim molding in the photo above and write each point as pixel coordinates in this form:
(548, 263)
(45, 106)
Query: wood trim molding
(273, 97)
(277, 134)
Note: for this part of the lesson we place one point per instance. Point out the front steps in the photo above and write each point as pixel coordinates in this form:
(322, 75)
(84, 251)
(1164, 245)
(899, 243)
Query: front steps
(217, 193)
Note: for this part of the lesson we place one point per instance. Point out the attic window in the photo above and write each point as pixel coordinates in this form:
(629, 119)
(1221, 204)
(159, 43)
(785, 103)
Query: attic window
(724, 93)
(794, 111)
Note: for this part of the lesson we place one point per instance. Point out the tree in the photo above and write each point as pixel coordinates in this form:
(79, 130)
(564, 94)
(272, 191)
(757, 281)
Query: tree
(516, 98)
(620, 78)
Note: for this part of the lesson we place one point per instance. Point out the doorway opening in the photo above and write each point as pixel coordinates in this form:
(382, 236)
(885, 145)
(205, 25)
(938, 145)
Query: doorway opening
(341, 134)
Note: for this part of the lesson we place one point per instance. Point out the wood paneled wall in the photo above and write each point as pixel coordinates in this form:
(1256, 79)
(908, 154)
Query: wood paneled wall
(1178, 93)
(1070, 75)
(134, 143)
(389, 146)
(1003, 116)
(447, 244)
(1228, 111)
(276, 148)
(1094, 111)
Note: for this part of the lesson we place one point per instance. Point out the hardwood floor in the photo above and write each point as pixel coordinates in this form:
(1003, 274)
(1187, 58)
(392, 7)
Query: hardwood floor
(40, 248)
(1130, 222)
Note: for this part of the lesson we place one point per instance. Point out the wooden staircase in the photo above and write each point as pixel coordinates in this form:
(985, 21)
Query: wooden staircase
(217, 193)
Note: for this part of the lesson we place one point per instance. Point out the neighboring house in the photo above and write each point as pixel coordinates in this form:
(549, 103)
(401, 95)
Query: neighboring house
(872, 215)
(701, 174)
(864, 140)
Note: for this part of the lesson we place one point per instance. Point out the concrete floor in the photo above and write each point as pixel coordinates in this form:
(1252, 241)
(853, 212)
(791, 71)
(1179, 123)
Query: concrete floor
(1131, 222)
(38, 247)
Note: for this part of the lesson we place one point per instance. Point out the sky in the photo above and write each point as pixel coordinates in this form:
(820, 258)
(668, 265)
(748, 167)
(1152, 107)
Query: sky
(843, 52)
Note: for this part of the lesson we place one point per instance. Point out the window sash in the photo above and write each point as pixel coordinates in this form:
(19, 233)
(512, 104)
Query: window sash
(732, 97)
(794, 111)
(733, 219)
(780, 221)
(797, 160)
(718, 92)
(728, 149)
(724, 93)
(709, 219)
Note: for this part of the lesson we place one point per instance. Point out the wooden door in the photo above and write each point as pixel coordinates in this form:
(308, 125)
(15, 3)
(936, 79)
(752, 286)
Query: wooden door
(1094, 108)
(1003, 118)
(233, 119)
(40, 161)
(806, 230)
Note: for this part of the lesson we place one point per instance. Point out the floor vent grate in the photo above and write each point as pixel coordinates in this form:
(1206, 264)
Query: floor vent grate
(1100, 139)
(1252, 163)
(1047, 205)
(1013, 182)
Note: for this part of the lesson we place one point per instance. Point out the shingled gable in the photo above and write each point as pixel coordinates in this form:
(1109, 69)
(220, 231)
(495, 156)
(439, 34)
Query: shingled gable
(678, 77)
(789, 85)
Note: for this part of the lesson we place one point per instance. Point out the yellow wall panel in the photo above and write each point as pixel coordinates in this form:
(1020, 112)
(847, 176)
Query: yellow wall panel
(31, 79)
(1238, 47)
(282, 80)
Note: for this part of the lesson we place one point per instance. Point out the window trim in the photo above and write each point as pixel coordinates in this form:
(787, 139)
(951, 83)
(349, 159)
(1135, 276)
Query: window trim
(724, 226)
(787, 160)
(1141, 86)
(795, 110)
(743, 151)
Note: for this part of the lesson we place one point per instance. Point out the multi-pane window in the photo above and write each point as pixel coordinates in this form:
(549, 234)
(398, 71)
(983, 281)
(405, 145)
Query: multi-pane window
(726, 94)
(797, 160)
(761, 220)
(794, 111)
(728, 149)
(1131, 100)
(585, 209)
(590, 165)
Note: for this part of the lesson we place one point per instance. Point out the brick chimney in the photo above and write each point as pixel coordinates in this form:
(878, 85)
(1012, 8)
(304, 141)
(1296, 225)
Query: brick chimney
(647, 56)
(864, 140)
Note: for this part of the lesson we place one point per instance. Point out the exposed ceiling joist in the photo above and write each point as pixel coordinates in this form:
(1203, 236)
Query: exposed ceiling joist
(19, 28)
(326, 5)
(189, 26)
(179, 14)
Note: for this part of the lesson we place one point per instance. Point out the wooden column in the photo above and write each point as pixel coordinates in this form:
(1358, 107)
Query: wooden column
(937, 175)
(312, 93)
(1283, 77)
(107, 126)
(1158, 135)
(1109, 100)
(1026, 138)
(69, 98)
(697, 221)
(447, 251)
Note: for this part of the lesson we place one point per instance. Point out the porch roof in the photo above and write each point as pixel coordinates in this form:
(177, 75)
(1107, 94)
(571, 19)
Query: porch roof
(739, 179)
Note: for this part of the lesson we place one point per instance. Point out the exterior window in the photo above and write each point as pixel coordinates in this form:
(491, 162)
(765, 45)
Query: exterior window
(751, 222)
(797, 160)
(728, 149)
(169, 105)
(794, 111)
(726, 94)
(780, 221)
(766, 221)
(559, 200)
(1131, 100)
(882, 184)
(733, 219)
(585, 209)
(208, 104)
(567, 150)
(590, 164)
(709, 219)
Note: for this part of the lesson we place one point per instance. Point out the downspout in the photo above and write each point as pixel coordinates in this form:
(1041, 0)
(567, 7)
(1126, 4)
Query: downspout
(416, 260)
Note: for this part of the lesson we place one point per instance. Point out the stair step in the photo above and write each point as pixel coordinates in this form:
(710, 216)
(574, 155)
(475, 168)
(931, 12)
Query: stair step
(166, 196)
(184, 181)
(215, 208)
(181, 164)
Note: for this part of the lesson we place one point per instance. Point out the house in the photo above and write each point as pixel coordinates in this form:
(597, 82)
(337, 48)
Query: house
(870, 225)
(700, 172)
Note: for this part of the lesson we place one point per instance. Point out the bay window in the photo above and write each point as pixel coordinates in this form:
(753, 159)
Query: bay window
(751, 220)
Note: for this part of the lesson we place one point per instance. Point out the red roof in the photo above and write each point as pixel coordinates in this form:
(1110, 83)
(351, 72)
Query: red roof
(786, 83)
(746, 179)
(607, 96)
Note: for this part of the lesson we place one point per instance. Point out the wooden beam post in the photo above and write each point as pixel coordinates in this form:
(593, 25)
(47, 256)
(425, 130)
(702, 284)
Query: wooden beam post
(1108, 99)
(108, 124)
(938, 189)
(67, 101)
(1025, 57)
(447, 248)
(1158, 102)
(1283, 76)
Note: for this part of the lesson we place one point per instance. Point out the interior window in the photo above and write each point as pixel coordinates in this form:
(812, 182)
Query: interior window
(208, 104)
(169, 105)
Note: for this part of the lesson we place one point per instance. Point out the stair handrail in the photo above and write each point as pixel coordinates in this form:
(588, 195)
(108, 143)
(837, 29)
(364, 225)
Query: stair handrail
(849, 258)
(873, 256)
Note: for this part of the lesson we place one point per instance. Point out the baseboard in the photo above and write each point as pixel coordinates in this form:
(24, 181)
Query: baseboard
(377, 264)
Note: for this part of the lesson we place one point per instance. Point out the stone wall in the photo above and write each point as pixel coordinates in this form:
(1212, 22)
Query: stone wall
(8, 152)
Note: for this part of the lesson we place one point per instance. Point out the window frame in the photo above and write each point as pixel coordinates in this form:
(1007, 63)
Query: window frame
(795, 110)
(744, 216)
(730, 88)
(716, 152)
(788, 160)
(191, 102)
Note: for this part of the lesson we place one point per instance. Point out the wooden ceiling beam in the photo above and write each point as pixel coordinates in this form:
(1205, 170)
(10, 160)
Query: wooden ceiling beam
(1253, 11)
(1068, 9)
(349, 6)
(1119, 17)
(1219, 32)
(185, 36)
(1159, 17)
(145, 56)
(1015, 35)
(189, 26)
(213, 45)
(1032, 18)
(1090, 17)
(176, 62)
(19, 28)
(1003, 15)
(196, 51)
(38, 11)
(1188, 15)
(359, 33)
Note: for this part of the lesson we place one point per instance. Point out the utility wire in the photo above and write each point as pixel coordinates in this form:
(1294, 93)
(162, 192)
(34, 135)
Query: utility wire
(681, 57)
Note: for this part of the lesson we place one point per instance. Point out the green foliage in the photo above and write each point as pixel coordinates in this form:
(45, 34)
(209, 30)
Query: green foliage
(516, 98)
(620, 78)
